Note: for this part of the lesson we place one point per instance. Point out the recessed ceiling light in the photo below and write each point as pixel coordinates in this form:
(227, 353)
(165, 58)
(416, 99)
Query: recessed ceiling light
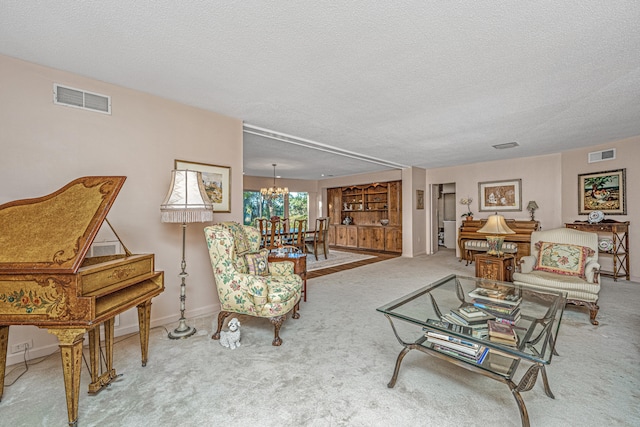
(506, 145)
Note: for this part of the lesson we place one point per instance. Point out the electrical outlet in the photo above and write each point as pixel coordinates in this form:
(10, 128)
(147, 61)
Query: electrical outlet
(20, 347)
(116, 321)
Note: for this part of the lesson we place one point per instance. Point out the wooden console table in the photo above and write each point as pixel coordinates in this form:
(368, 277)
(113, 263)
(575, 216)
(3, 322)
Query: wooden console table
(619, 232)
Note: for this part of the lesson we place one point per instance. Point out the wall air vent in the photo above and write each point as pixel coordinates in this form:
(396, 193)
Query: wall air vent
(70, 97)
(601, 156)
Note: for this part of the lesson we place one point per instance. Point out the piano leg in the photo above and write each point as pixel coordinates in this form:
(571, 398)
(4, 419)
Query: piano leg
(4, 339)
(100, 380)
(144, 316)
(70, 342)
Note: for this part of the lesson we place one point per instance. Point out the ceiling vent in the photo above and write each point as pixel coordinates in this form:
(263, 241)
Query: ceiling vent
(601, 156)
(77, 98)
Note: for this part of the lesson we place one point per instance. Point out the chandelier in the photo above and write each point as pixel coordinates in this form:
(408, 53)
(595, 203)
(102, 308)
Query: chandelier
(273, 192)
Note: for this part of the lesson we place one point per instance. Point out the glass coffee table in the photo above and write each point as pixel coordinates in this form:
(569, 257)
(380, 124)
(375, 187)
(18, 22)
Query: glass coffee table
(455, 327)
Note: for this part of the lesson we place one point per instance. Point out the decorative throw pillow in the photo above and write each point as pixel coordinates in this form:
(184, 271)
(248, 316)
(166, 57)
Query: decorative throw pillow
(562, 258)
(240, 238)
(258, 265)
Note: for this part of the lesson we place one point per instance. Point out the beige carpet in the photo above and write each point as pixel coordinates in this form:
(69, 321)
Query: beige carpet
(334, 258)
(334, 366)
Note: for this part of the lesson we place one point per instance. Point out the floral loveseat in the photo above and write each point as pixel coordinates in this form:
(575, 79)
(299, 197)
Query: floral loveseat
(566, 260)
(246, 282)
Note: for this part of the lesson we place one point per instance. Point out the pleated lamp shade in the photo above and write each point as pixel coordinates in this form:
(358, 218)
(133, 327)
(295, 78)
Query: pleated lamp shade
(187, 200)
(497, 226)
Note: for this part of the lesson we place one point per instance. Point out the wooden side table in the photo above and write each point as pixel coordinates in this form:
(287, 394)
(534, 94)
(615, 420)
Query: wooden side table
(495, 268)
(299, 266)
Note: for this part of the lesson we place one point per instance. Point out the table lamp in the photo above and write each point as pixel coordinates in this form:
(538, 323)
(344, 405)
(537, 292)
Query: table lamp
(497, 227)
(186, 202)
(531, 207)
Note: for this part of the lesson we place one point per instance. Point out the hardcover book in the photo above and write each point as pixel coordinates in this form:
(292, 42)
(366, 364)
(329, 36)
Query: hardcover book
(502, 331)
(502, 296)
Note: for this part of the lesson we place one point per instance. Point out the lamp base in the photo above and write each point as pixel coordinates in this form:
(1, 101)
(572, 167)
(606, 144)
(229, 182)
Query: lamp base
(182, 331)
(495, 245)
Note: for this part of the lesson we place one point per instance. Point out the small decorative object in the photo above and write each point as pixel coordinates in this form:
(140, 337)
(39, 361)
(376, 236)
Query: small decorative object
(384, 221)
(605, 244)
(596, 217)
(231, 338)
(467, 201)
(347, 220)
(531, 207)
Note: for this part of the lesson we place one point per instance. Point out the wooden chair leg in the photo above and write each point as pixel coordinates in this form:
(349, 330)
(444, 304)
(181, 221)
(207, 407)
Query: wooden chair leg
(221, 316)
(277, 323)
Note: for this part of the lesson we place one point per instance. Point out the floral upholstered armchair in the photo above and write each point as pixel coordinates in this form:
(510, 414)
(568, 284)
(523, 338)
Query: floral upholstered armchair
(246, 282)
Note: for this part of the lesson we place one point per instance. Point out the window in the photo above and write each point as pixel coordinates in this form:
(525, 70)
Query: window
(294, 205)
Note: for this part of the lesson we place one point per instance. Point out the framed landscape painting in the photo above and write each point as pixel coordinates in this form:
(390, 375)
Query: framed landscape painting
(217, 182)
(602, 191)
(500, 196)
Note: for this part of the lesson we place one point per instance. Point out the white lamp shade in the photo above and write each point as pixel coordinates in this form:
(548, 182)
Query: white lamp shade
(496, 225)
(187, 200)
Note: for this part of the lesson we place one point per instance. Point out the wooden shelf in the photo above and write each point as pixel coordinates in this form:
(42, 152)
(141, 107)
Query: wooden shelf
(619, 232)
(366, 205)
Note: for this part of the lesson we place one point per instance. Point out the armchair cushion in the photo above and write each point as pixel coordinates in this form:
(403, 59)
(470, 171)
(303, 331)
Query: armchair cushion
(258, 263)
(562, 258)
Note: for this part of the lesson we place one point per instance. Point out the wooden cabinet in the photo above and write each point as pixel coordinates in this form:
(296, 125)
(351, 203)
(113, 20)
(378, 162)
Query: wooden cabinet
(366, 205)
(495, 268)
(393, 239)
(614, 242)
(371, 237)
(334, 203)
(346, 235)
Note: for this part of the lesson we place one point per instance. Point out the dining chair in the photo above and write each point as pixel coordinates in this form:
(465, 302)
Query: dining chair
(275, 232)
(298, 234)
(319, 239)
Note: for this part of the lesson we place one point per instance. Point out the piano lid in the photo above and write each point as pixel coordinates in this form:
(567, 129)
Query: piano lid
(52, 234)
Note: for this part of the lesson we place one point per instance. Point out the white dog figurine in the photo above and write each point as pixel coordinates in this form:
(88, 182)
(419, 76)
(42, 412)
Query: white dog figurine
(231, 338)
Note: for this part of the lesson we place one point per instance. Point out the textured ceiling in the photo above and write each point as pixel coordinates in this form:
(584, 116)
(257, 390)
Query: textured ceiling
(415, 83)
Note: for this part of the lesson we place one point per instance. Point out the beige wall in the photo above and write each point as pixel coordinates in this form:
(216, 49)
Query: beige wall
(44, 146)
(552, 181)
(575, 163)
(541, 181)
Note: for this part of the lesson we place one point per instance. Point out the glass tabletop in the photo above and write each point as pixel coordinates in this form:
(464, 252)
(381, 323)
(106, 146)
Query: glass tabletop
(463, 308)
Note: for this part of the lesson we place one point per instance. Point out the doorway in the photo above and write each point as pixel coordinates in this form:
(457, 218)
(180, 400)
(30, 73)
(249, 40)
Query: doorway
(443, 227)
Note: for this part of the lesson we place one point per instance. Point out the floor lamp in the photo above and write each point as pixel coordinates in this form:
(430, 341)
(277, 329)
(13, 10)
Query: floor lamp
(186, 202)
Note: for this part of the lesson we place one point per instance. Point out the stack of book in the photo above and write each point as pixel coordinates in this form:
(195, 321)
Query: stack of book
(502, 333)
(472, 317)
(503, 304)
(465, 350)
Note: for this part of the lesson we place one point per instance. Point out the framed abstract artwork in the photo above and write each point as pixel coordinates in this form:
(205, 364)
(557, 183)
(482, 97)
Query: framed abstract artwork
(500, 196)
(217, 182)
(602, 191)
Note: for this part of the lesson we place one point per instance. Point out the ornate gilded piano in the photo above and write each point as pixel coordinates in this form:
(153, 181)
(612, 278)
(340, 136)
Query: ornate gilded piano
(46, 279)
